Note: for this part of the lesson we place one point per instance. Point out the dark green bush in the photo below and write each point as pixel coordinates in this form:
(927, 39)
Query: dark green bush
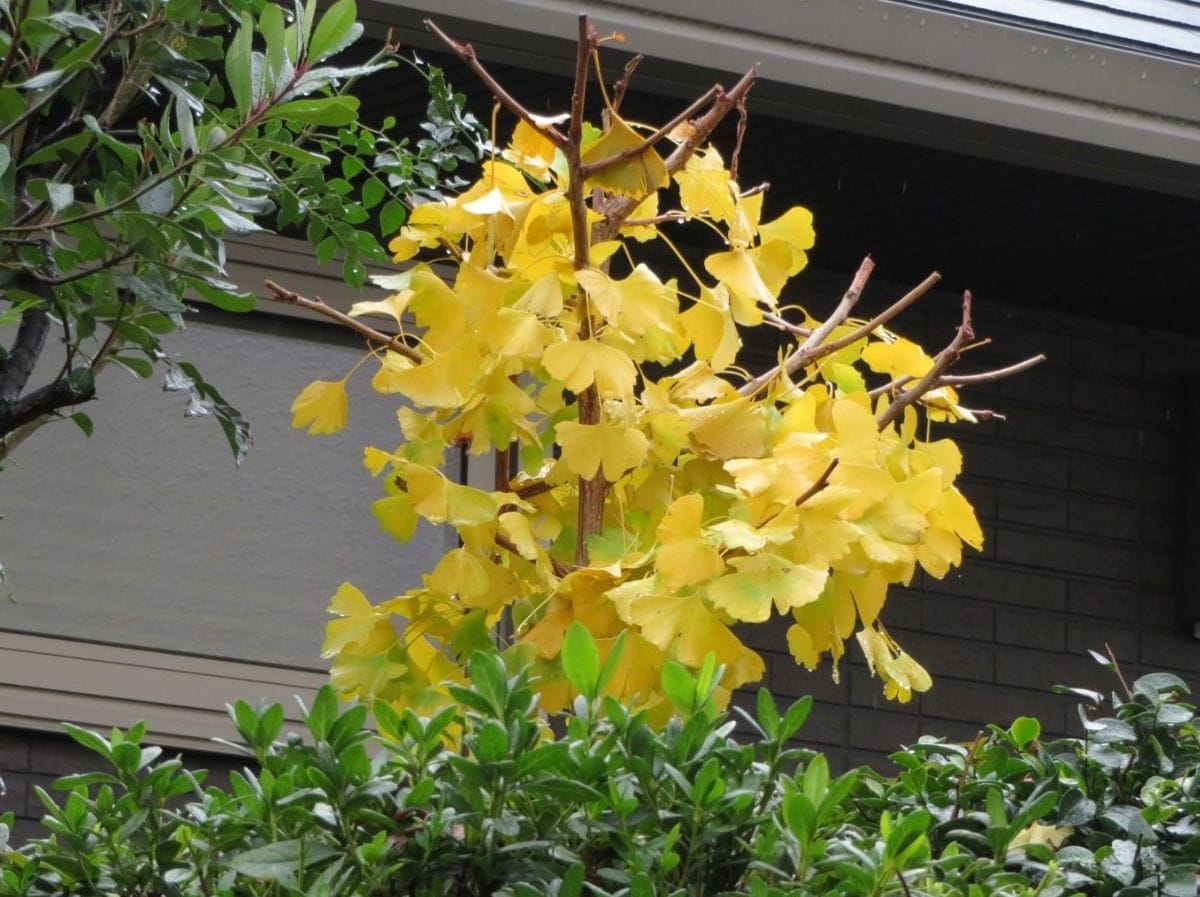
(485, 799)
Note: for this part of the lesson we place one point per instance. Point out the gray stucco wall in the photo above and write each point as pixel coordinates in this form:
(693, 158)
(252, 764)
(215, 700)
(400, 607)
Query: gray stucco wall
(148, 535)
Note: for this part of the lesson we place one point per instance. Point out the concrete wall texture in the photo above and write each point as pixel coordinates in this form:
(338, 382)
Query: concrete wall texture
(1079, 492)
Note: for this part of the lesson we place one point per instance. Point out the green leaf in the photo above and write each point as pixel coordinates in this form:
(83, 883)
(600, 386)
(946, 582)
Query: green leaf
(83, 422)
(224, 296)
(392, 217)
(271, 24)
(581, 660)
(768, 713)
(238, 63)
(280, 861)
(336, 30)
(679, 686)
(491, 744)
(572, 881)
(373, 192)
(1025, 729)
(324, 712)
(795, 717)
(610, 662)
(327, 111)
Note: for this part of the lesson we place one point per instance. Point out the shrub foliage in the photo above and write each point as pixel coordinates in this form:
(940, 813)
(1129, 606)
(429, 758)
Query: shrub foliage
(484, 799)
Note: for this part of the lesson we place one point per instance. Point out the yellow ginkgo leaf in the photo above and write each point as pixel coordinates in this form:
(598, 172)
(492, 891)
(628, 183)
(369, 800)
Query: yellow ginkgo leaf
(732, 429)
(637, 176)
(634, 303)
(795, 229)
(385, 380)
(737, 270)
(683, 558)
(357, 617)
(705, 187)
(646, 210)
(685, 628)
(396, 516)
(439, 501)
(898, 358)
(460, 574)
(543, 297)
(393, 306)
(857, 432)
(763, 580)
(711, 329)
(612, 447)
(322, 406)
(530, 150)
(580, 363)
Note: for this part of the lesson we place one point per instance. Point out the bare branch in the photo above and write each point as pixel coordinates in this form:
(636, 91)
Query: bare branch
(779, 323)
(395, 342)
(821, 482)
(723, 102)
(590, 168)
(990, 376)
(941, 362)
(622, 84)
(466, 53)
(805, 351)
(878, 321)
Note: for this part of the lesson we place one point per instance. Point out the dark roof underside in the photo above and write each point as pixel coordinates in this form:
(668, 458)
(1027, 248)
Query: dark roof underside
(1005, 231)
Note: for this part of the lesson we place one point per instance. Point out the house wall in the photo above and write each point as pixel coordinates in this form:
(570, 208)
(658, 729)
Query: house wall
(1079, 492)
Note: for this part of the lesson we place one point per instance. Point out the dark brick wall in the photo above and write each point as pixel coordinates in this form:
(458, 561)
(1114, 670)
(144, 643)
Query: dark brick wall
(1080, 495)
(35, 759)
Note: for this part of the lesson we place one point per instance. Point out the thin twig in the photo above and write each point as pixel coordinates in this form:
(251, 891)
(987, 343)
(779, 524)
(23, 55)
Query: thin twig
(590, 168)
(622, 84)
(619, 208)
(395, 342)
(466, 53)
(799, 358)
(657, 219)
(736, 158)
(968, 762)
(879, 320)
(821, 482)
(989, 376)
(529, 490)
(560, 569)
(779, 323)
(1117, 669)
(944, 359)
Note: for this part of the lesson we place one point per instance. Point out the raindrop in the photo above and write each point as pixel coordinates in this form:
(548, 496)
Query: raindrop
(1143, 76)
(885, 16)
(922, 23)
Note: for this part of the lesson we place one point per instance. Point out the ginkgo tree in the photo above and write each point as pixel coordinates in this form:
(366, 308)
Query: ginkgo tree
(646, 485)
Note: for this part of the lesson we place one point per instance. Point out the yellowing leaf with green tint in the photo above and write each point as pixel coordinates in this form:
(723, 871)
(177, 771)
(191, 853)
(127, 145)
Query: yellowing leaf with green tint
(684, 628)
(322, 407)
(396, 516)
(764, 580)
(683, 558)
(611, 447)
(440, 501)
(580, 363)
